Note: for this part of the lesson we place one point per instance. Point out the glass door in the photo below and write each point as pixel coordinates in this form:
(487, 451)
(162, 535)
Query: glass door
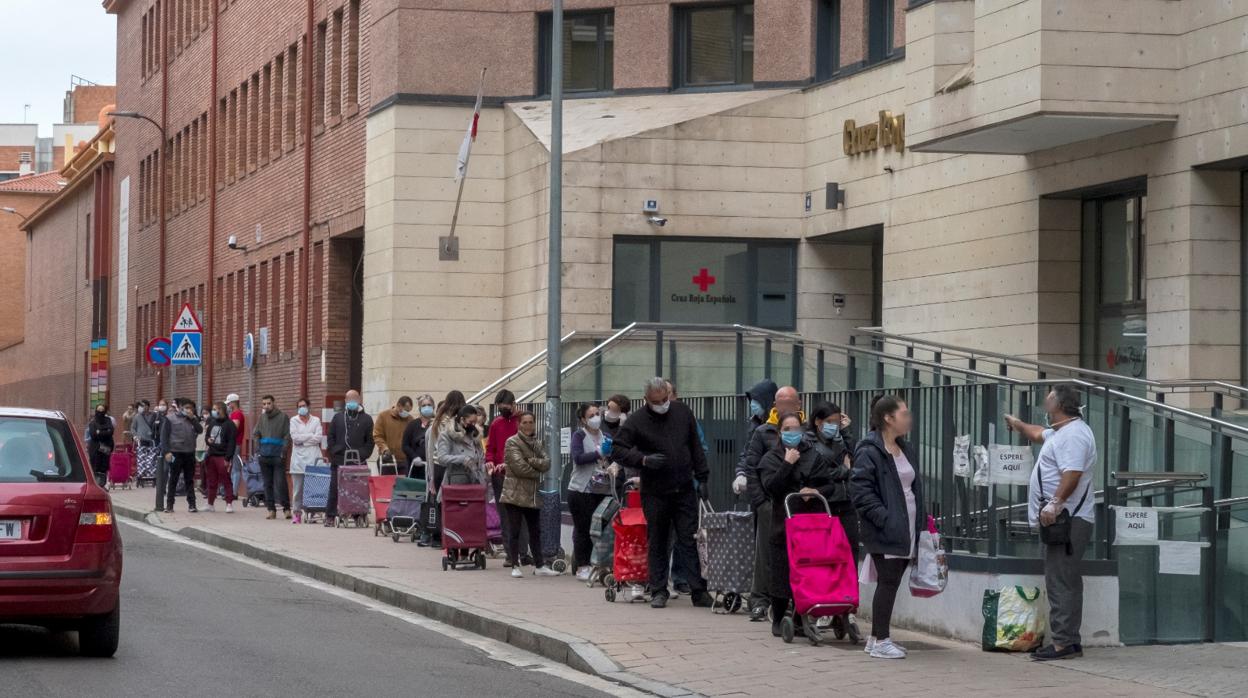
(1114, 315)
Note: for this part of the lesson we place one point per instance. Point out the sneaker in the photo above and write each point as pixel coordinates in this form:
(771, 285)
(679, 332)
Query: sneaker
(229, 508)
(885, 649)
(583, 573)
(192, 510)
(298, 517)
(682, 588)
(509, 563)
(329, 522)
(168, 510)
(286, 513)
(659, 600)
(545, 571)
(758, 614)
(210, 509)
(516, 573)
(701, 599)
(870, 645)
(424, 542)
(526, 560)
(271, 515)
(1051, 653)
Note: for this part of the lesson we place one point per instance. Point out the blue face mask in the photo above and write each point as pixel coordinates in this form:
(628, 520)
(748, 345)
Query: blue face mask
(426, 411)
(303, 411)
(831, 430)
(791, 438)
(352, 406)
(756, 408)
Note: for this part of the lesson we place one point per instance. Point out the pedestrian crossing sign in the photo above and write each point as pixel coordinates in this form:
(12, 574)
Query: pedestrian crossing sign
(187, 348)
(187, 321)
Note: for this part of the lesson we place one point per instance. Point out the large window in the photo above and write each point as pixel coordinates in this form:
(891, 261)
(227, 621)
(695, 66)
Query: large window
(588, 48)
(1115, 327)
(828, 39)
(715, 45)
(879, 30)
(705, 281)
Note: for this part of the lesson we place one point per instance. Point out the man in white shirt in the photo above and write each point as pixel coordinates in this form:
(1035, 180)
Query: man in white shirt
(1061, 487)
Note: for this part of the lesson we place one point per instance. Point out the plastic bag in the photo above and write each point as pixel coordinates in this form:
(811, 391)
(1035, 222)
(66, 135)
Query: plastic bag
(1013, 622)
(931, 570)
(962, 455)
(981, 466)
(867, 573)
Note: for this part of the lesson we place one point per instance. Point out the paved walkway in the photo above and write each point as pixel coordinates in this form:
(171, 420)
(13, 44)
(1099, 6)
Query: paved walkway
(690, 650)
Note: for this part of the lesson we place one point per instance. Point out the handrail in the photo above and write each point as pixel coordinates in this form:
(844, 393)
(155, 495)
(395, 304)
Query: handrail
(1239, 390)
(524, 366)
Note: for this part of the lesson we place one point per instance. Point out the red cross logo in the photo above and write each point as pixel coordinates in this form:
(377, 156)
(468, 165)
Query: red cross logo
(704, 280)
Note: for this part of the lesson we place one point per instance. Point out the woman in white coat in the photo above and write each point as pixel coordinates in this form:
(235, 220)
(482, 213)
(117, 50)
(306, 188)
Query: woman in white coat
(305, 436)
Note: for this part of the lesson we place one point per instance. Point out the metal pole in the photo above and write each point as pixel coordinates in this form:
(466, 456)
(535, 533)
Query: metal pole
(554, 263)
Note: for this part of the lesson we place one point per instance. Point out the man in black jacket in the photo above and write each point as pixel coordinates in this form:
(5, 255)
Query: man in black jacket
(350, 441)
(662, 442)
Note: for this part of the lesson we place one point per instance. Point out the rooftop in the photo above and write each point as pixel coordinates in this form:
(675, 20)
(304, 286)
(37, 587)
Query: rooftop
(46, 183)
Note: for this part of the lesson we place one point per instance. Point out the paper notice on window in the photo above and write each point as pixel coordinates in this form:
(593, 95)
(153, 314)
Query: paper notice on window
(1178, 557)
(1010, 465)
(962, 455)
(565, 441)
(1135, 526)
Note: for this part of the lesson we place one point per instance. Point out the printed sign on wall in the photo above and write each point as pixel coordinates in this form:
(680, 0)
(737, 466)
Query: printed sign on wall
(1010, 465)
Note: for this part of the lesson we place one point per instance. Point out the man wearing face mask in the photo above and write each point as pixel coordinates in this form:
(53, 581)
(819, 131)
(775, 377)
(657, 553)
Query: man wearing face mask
(272, 435)
(662, 442)
(764, 438)
(504, 426)
(414, 436)
(350, 435)
(388, 431)
(234, 404)
(177, 440)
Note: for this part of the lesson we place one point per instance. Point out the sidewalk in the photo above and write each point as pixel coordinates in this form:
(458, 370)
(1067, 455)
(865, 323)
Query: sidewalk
(680, 650)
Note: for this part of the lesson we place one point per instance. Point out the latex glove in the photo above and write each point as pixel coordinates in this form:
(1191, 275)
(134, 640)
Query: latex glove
(738, 485)
(792, 455)
(1049, 513)
(613, 470)
(654, 461)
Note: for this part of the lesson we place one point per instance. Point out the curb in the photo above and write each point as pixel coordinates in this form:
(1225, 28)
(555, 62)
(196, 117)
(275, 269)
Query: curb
(575, 652)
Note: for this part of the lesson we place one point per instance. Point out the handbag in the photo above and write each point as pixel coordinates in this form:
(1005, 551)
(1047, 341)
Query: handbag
(1058, 532)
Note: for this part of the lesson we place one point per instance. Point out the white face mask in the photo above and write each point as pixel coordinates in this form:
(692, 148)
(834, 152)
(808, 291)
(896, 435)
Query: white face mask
(594, 422)
(662, 407)
(612, 417)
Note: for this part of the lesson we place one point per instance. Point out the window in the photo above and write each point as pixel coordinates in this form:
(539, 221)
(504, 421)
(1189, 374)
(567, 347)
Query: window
(828, 43)
(292, 81)
(699, 280)
(588, 52)
(1114, 289)
(880, 20)
(231, 138)
(266, 112)
(334, 67)
(86, 260)
(143, 64)
(353, 53)
(318, 81)
(715, 45)
(288, 298)
(275, 313)
(279, 103)
(37, 450)
(318, 288)
(223, 138)
(253, 122)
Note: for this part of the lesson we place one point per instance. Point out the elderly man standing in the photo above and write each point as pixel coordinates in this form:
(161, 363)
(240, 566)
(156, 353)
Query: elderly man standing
(764, 438)
(662, 442)
(388, 434)
(350, 440)
(1060, 501)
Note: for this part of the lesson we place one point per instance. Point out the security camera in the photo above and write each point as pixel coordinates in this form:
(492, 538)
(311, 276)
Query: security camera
(657, 220)
(232, 243)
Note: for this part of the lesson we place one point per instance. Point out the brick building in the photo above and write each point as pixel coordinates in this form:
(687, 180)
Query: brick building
(18, 200)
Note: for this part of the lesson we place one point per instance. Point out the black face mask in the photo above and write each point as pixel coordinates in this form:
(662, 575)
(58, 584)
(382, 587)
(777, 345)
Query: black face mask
(505, 411)
(470, 430)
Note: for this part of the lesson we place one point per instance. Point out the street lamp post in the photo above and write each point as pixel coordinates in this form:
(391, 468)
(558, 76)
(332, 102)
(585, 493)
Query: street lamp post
(554, 285)
(160, 283)
(10, 209)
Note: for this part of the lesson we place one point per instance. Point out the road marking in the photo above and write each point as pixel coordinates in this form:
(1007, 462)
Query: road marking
(498, 651)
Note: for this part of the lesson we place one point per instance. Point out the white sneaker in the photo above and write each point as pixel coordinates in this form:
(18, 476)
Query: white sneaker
(210, 508)
(516, 573)
(229, 508)
(583, 573)
(546, 572)
(885, 649)
(869, 646)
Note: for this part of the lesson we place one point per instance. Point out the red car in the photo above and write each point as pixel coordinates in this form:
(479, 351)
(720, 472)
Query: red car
(60, 550)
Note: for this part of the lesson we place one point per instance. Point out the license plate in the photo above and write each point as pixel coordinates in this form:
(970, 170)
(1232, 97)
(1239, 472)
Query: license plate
(10, 529)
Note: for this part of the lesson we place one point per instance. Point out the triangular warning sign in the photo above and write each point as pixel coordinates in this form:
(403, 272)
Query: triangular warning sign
(186, 322)
(186, 351)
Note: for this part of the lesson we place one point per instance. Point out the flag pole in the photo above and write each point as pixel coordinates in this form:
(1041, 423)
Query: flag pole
(460, 196)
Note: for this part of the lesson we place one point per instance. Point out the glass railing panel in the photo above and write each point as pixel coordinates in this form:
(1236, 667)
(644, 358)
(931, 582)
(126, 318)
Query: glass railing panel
(1231, 578)
(1161, 608)
(702, 366)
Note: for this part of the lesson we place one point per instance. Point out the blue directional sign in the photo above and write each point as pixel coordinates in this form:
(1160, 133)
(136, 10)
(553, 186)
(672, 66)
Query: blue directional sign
(188, 348)
(249, 351)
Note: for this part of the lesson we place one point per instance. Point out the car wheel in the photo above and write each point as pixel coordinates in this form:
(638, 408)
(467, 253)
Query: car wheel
(98, 636)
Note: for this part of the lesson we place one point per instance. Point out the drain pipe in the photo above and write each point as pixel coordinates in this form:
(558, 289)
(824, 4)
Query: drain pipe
(209, 355)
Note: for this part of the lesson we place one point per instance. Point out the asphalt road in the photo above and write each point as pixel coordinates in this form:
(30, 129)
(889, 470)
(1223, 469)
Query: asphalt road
(194, 622)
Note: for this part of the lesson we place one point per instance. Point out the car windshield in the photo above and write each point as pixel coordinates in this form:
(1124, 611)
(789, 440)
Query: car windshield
(37, 450)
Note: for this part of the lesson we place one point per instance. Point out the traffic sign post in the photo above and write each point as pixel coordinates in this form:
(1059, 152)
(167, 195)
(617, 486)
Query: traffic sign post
(249, 351)
(187, 348)
(158, 351)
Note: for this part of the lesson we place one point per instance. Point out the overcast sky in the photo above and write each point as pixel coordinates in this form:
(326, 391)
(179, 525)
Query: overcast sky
(45, 42)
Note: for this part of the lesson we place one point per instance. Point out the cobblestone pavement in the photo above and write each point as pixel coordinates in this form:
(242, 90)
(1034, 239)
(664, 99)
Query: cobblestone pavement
(721, 655)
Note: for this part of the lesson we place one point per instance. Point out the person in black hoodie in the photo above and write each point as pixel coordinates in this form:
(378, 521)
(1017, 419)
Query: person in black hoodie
(662, 441)
(795, 465)
(350, 437)
(888, 493)
(100, 434)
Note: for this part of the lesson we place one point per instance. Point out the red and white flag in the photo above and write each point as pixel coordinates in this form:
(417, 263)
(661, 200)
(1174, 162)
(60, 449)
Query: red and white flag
(465, 148)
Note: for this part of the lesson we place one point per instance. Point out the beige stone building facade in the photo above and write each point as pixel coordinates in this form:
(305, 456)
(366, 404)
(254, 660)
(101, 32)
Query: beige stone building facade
(1058, 179)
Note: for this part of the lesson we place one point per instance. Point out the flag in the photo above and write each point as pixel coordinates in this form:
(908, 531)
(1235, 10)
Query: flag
(465, 148)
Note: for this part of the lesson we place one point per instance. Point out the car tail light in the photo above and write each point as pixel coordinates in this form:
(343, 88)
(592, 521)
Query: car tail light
(95, 523)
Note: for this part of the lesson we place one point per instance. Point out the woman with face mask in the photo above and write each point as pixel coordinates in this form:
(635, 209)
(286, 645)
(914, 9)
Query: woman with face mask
(526, 460)
(613, 418)
(414, 437)
(220, 438)
(100, 437)
(793, 466)
(305, 439)
(587, 485)
(888, 494)
(504, 426)
(458, 449)
(828, 430)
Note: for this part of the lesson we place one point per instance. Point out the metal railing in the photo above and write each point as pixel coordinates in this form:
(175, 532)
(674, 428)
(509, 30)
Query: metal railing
(511, 375)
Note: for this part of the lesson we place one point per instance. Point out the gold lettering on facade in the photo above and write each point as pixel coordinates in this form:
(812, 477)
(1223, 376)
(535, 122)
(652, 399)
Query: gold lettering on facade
(888, 132)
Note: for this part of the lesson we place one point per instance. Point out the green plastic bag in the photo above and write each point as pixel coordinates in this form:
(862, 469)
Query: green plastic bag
(1013, 622)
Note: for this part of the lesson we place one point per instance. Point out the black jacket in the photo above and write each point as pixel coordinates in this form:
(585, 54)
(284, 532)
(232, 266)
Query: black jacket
(765, 392)
(779, 479)
(221, 437)
(100, 431)
(353, 433)
(675, 435)
(835, 452)
(414, 440)
(877, 495)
